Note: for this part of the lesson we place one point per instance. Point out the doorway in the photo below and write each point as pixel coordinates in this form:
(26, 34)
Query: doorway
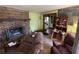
(48, 22)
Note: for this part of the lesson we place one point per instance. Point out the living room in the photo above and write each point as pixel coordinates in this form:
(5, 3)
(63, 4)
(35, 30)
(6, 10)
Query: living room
(35, 29)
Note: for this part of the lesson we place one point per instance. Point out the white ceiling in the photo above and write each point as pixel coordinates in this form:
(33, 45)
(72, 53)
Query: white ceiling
(38, 8)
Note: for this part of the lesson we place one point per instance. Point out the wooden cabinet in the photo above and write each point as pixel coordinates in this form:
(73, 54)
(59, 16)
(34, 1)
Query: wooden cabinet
(61, 23)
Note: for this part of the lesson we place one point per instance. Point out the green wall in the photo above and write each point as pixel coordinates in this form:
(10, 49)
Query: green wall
(73, 28)
(36, 23)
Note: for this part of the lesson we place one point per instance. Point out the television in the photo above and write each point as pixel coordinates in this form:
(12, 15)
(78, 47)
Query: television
(14, 33)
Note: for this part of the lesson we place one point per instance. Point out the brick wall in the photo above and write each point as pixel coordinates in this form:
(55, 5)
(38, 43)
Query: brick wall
(6, 12)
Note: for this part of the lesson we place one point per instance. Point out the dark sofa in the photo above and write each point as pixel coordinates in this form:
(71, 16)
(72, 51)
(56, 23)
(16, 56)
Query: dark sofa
(67, 47)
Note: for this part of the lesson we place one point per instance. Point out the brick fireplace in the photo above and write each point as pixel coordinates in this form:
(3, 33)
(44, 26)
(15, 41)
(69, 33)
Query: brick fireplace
(13, 18)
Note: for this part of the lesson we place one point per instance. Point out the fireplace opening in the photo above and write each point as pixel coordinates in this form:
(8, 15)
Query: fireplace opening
(14, 33)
